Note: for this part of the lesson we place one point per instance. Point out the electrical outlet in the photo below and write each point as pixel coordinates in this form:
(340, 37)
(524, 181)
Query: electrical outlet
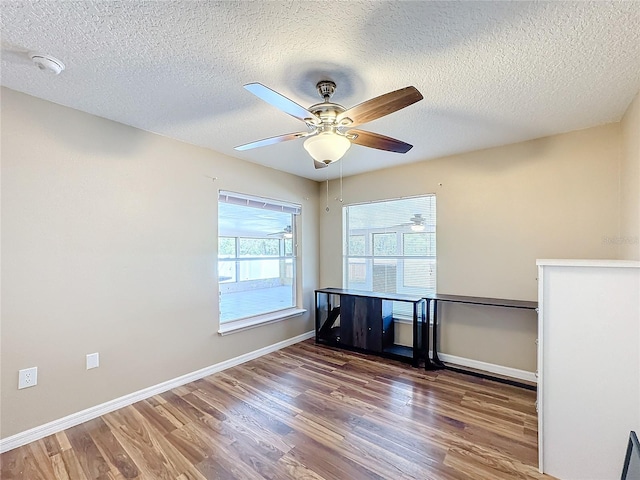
(28, 377)
(93, 360)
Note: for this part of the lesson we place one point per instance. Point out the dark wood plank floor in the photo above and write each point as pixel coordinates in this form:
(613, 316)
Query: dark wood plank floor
(306, 412)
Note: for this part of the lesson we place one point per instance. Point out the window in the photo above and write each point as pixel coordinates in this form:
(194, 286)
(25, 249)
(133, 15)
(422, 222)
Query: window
(390, 246)
(256, 260)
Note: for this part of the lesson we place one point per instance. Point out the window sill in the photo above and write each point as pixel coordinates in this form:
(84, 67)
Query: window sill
(259, 320)
(403, 319)
(407, 320)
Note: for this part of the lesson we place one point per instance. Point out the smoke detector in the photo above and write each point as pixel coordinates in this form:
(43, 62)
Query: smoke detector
(47, 63)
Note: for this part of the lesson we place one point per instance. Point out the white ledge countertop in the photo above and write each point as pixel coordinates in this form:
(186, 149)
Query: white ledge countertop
(562, 262)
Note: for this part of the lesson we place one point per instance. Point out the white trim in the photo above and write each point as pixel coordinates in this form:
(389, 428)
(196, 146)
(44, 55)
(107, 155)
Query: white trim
(36, 433)
(259, 320)
(540, 356)
(588, 263)
(489, 367)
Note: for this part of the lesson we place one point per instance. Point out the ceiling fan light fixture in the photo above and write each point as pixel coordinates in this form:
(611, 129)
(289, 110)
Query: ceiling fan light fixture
(416, 227)
(327, 147)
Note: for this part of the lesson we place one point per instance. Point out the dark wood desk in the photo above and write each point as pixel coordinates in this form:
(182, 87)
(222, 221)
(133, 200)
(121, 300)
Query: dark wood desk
(363, 321)
(434, 363)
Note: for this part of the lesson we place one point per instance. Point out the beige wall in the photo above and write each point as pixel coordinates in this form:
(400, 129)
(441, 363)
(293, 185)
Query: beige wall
(498, 211)
(109, 245)
(630, 183)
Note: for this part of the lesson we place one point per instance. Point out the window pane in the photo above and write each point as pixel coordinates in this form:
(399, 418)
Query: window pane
(259, 269)
(288, 247)
(431, 244)
(385, 275)
(226, 247)
(257, 264)
(403, 309)
(356, 245)
(259, 247)
(390, 246)
(226, 270)
(415, 243)
(385, 244)
(258, 290)
(357, 272)
(415, 272)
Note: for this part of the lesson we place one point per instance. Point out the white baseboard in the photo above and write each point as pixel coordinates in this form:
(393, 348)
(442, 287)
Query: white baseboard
(489, 367)
(36, 433)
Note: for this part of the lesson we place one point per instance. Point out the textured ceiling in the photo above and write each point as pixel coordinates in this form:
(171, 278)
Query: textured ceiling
(491, 73)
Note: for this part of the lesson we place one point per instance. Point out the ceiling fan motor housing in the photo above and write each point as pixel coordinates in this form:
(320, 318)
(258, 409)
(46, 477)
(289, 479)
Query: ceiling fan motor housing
(327, 113)
(326, 88)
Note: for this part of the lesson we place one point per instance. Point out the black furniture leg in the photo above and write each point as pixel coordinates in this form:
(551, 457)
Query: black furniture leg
(428, 364)
(416, 342)
(436, 360)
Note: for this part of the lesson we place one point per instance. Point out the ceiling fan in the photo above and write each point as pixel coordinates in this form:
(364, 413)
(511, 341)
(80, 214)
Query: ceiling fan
(416, 223)
(331, 127)
(286, 232)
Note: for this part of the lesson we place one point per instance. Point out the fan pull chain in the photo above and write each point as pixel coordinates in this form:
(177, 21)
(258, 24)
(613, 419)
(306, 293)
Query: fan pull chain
(341, 182)
(327, 209)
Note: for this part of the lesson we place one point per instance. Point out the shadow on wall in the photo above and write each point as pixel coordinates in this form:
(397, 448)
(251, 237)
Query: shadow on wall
(114, 140)
(444, 127)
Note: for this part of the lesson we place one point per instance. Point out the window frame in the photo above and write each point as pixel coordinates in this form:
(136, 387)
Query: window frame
(399, 262)
(287, 254)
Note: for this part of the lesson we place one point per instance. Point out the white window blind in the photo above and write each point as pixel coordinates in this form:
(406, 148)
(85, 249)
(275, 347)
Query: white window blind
(240, 199)
(390, 246)
(256, 256)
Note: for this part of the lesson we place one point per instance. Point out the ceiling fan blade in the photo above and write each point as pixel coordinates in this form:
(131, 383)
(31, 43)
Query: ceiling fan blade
(318, 164)
(379, 106)
(270, 141)
(280, 101)
(375, 140)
